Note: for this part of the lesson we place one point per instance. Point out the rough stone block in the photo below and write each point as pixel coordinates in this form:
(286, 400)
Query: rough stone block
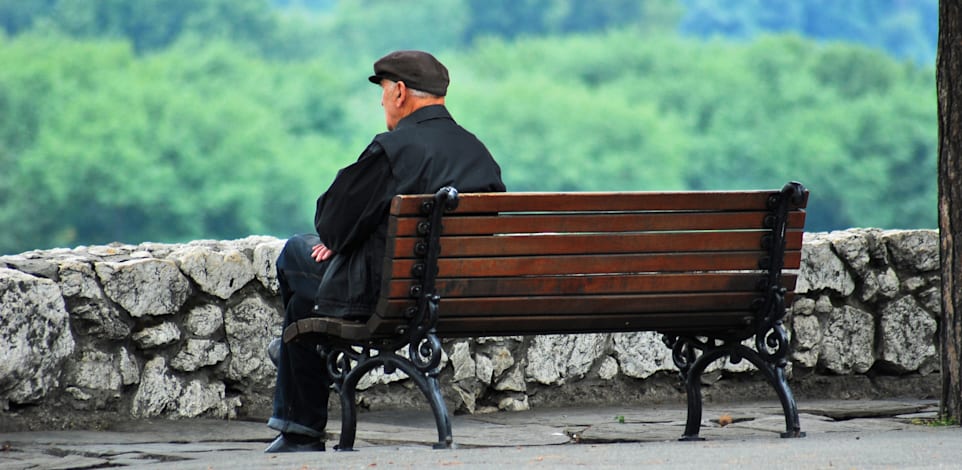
(641, 355)
(462, 362)
(848, 341)
(219, 273)
(35, 266)
(484, 368)
(35, 337)
(265, 263)
(514, 403)
(85, 300)
(608, 369)
(803, 306)
(132, 284)
(377, 376)
(204, 320)
(129, 368)
(821, 269)
(932, 300)
(156, 336)
(908, 335)
(94, 370)
(807, 337)
(501, 360)
(250, 327)
(916, 250)
(199, 353)
(158, 391)
(200, 398)
(552, 359)
(853, 247)
(513, 380)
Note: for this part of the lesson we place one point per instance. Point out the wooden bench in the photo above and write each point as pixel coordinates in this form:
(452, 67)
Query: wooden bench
(706, 269)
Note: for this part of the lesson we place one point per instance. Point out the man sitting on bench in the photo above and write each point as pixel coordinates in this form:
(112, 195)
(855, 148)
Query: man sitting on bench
(337, 271)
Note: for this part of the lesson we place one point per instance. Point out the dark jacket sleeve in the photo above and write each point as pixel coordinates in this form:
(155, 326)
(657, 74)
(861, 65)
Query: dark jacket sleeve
(357, 201)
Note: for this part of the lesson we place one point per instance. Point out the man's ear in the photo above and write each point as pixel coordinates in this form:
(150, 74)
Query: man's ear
(402, 91)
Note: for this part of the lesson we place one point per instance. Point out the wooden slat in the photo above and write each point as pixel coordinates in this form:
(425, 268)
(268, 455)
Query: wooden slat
(455, 224)
(388, 261)
(326, 326)
(589, 201)
(596, 284)
(563, 304)
(567, 244)
(392, 309)
(595, 264)
(700, 322)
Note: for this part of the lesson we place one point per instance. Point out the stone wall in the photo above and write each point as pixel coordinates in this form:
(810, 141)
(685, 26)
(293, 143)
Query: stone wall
(181, 331)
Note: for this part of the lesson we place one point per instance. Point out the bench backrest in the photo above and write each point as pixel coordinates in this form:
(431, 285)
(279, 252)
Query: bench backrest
(519, 263)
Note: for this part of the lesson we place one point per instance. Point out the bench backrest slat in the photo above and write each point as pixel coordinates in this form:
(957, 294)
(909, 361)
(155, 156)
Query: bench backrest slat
(593, 284)
(564, 304)
(491, 325)
(605, 222)
(596, 264)
(595, 201)
(596, 243)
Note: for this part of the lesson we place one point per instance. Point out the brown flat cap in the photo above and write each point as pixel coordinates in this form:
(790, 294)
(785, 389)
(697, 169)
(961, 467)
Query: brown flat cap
(417, 69)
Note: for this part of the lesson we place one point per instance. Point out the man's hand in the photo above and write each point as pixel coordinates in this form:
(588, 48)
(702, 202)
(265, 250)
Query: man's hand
(321, 253)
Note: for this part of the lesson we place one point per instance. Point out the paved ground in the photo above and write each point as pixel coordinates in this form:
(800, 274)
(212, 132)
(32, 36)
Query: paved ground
(840, 434)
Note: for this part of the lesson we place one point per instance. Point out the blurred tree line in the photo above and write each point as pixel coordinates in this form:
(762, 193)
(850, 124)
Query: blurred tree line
(906, 29)
(170, 120)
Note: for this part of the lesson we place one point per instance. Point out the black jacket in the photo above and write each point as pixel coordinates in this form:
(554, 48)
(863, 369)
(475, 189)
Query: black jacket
(425, 152)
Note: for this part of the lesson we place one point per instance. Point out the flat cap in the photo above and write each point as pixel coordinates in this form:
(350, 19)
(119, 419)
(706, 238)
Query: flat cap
(417, 69)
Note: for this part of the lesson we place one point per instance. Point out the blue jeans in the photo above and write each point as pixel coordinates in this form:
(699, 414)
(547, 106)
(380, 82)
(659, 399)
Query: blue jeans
(303, 385)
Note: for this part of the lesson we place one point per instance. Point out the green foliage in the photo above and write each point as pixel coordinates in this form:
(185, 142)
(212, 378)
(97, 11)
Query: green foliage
(184, 119)
(147, 24)
(520, 18)
(905, 29)
(380, 26)
(186, 144)
(559, 136)
(19, 15)
(679, 113)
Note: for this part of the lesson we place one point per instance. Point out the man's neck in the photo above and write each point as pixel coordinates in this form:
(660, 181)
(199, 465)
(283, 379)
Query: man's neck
(418, 103)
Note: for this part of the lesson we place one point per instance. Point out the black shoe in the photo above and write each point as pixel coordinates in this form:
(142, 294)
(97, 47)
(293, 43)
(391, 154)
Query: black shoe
(274, 350)
(286, 444)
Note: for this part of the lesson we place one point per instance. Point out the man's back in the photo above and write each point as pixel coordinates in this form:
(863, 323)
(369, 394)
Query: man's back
(426, 151)
(429, 150)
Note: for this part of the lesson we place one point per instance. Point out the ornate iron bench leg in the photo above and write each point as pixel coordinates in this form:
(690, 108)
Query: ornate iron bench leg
(775, 373)
(348, 418)
(346, 386)
(693, 389)
(347, 389)
(793, 427)
(776, 376)
(440, 410)
(345, 376)
(692, 367)
(431, 388)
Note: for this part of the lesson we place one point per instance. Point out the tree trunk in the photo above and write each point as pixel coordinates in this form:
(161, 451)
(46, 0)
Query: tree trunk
(949, 86)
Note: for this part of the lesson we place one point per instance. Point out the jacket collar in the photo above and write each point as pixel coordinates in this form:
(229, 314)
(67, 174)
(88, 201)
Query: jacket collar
(427, 113)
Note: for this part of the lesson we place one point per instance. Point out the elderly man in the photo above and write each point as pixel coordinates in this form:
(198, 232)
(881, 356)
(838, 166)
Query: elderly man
(337, 272)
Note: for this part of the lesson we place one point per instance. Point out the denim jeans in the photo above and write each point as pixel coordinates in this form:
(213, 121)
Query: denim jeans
(303, 385)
